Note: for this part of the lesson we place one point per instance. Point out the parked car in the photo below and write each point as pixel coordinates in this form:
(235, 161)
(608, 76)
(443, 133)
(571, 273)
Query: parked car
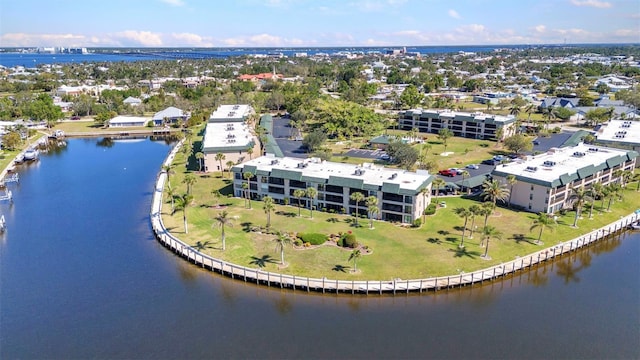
(75, 118)
(490, 162)
(447, 172)
(473, 166)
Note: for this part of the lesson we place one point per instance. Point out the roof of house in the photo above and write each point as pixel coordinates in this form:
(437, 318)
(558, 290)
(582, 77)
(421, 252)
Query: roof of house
(131, 100)
(366, 176)
(562, 166)
(170, 113)
(128, 119)
(560, 102)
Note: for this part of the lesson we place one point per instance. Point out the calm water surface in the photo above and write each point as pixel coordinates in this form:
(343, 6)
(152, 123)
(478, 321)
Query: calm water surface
(81, 276)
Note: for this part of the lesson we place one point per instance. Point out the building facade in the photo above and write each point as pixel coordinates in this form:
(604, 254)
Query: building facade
(402, 195)
(544, 181)
(462, 124)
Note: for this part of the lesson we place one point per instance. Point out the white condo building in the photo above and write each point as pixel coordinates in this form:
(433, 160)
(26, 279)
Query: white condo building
(400, 193)
(228, 133)
(544, 181)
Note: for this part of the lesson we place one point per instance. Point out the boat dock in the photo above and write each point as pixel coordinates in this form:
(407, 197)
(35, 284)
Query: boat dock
(124, 133)
(323, 285)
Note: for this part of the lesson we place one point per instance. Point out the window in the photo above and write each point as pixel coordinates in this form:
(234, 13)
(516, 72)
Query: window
(531, 187)
(530, 196)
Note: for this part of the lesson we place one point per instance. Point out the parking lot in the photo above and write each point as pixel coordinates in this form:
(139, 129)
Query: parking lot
(289, 147)
(366, 154)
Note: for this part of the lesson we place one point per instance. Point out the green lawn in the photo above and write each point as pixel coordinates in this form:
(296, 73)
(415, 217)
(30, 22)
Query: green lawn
(397, 252)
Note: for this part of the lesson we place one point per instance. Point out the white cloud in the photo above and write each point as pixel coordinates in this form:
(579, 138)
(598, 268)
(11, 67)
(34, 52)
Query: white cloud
(189, 39)
(592, 3)
(174, 2)
(142, 38)
(540, 28)
(23, 39)
(454, 14)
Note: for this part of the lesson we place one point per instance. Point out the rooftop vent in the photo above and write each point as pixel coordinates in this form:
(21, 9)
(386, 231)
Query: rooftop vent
(359, 172)
(549, 163)
(578, 154)
(274, 162)
(592, 149)
(531, 168)
(394, 175)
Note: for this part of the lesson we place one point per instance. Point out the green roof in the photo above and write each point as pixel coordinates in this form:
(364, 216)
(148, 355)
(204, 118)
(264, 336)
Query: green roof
(345, 182)
(286, 174)
(266, 122)
(472, 182)
(390, 188)
(382, 139)
(576, 138)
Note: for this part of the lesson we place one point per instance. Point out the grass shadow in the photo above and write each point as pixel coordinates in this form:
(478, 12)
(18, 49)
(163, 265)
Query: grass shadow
(520, 237)
(226, 190)
(246, 226)
(433, 240)
(289, 214)
(332, 220)
(262, 261)
(464, 253)
(340, 268)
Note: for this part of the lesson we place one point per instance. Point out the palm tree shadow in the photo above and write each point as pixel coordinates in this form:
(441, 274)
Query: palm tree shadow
(262, 261)
(340, 268)
(246, 226)
(434, 240)
(451, 239)
(443, 232)
(203, 245)
(520, 237)
(464, 253)
(332, 220)
(287, 213)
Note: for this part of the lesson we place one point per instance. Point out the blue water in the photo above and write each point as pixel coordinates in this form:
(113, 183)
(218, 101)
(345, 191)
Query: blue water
(10, 59)
(81, 276)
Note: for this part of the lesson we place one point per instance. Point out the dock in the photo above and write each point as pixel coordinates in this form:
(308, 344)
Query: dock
(124, 133)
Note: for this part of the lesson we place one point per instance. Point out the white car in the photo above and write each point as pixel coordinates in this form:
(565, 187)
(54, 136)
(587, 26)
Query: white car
(473, 166)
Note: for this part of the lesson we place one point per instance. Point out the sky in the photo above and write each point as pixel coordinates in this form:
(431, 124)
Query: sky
(315, 23)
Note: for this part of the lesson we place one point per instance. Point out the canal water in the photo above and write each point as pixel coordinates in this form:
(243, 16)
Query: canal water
(81, 276)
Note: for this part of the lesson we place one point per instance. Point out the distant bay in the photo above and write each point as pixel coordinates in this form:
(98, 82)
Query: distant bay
(11, 59)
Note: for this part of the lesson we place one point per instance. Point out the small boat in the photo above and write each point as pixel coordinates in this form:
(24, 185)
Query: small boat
(30, 155)
(634, 226)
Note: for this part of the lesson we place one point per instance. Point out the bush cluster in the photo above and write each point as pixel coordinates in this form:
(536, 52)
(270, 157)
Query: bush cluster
(313, 238)
(348, 240)
(430, 210)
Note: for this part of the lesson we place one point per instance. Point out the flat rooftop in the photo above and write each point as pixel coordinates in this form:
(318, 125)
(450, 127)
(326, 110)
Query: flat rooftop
(557, 162)
(368, 173)
(460, 115)
(232, 135)
(225, 113)
(623, 131)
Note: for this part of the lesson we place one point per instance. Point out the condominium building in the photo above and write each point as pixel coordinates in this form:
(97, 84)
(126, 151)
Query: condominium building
(470, 125)
(402, 195)
(228, 133)
(544, 181)
(619, 134)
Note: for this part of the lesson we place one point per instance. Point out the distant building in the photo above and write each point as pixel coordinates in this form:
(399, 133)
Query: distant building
(128, 121)
(170, 115)
(132, 101)
(399, 192)
(228, 133)
(463, 124)
(544, 181)
(620, 134)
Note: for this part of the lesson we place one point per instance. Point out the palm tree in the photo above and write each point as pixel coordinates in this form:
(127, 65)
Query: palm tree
(371, 202)
(424, 191)
(511, 180)
(636, 178)
(465, 214)
(219, 158)
(489, 232)
(438, 182)
(222, 220)
(475, 210)
(168, 169)
(282, 240)
(413, 133)
(373, 211)
(247, 176)
(487, 209)
(171, 194)
(515, 110)
(355, 255)
(357, 197)
(596, 192)
(182, 203)
(189, 180)
(268, 207)
(311, 194)
(299, 193)
(200, 157)
(612, 191)
(245, 188)
(549, 114)
(250, 151)
(465, 174)
(529, 109)
(543, 221)
(494, 191)
(216, 195)
(444, 135)
(229, 165)
(579, 196)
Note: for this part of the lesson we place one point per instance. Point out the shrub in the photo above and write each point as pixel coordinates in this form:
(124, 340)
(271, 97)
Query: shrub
(313, 238)
(286, 201)
(430, 210)
(416, 223)
(307, 244)
(297, 242)
(349, 240)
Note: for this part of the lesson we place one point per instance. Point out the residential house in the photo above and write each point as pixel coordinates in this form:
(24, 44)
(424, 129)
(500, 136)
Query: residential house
(170, 115)
(128, 121)
(132, 101)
